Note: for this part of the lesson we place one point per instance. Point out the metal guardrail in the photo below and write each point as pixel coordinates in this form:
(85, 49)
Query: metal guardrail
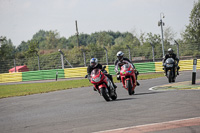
(147, 67)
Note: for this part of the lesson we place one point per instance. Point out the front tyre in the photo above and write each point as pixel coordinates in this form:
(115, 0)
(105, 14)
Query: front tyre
(174, 75)
(129, 86)
(169, 75)
(114, 97)
(105, 94)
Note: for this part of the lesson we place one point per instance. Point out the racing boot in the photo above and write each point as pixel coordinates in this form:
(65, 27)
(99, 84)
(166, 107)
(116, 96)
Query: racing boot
(137, 83)
(114, 86)
(165, 72)
(113, 91)
(113, 82)
(94, 88)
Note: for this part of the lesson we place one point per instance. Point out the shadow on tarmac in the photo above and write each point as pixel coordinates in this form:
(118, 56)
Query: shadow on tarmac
(124, 99)
(147, 93)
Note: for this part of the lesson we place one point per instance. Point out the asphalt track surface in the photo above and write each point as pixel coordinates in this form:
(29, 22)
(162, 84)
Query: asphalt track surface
(81, 110)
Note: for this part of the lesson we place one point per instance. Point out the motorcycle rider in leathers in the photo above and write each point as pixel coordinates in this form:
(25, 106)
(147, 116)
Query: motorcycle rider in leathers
(93, 65)
(170, 54)
(120, 62)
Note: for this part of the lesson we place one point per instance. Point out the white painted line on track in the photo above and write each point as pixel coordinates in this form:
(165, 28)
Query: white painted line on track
(151, 89)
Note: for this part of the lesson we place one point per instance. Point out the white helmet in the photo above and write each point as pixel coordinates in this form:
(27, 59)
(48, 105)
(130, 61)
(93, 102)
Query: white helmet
(93, 62)
(120, 55)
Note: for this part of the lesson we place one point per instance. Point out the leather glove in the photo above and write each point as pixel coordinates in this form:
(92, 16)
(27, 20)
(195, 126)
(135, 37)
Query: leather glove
(136, 72)
(118, 77)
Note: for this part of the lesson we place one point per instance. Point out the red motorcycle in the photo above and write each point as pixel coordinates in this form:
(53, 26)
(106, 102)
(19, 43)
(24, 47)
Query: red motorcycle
(128, 78)
(103, 84)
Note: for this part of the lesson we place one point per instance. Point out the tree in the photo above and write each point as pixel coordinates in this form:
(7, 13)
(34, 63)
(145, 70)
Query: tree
(7, 53)
(191, 36)
(22, 47)
(7, 50)
(33, 48)
(169, 35)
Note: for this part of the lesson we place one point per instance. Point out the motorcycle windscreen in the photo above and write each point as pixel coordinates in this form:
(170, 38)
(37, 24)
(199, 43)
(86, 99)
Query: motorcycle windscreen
(169, 61)
(125, 66)
(95, 72)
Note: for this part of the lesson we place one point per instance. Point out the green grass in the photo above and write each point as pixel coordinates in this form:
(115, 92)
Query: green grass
(28, 89)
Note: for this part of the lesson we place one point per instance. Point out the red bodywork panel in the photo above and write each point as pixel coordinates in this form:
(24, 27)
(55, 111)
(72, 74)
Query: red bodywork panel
(127, 73)
(98, 79)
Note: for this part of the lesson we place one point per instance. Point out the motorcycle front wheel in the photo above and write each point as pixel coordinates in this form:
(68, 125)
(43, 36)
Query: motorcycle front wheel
(169, 75)
(105, 94)
(129, 86)
(114, 97)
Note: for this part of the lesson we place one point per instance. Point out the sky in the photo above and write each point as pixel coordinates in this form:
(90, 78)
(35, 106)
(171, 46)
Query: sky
(21, 19)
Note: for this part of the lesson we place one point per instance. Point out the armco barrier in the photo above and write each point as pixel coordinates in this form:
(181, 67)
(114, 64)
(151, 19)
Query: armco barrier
(77, 72)
(147, 67)
(158, 67)
(42, 75)
(11, 77)
(111, 69)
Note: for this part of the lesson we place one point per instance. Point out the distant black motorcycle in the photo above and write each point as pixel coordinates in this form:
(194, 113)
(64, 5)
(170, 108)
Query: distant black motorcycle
(171, 69)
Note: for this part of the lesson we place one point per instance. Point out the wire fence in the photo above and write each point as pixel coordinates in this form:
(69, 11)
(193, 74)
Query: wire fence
(82, 58)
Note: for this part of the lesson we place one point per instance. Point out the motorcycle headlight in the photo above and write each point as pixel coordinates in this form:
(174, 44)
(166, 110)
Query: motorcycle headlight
(97, 79)
(169, 65)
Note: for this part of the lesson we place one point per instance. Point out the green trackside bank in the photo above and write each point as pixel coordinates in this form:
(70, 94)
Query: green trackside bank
(187, 85)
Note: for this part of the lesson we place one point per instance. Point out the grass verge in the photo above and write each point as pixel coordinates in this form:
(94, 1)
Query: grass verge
(34, 88)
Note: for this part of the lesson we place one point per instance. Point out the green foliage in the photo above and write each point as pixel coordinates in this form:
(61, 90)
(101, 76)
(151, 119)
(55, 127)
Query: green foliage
(192, 32)
(33, 48)
(7, 52)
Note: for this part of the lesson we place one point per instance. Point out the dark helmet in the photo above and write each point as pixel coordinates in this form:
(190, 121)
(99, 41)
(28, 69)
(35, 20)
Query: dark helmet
(170, 51)
(93, 62)
(120, 55)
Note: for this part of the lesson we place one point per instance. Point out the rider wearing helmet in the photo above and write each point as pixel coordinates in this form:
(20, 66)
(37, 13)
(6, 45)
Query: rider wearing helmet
(121, 60)
(170, 54)
(93, 65)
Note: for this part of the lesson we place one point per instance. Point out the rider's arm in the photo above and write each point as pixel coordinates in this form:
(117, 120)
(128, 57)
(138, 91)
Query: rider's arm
(176, 58)
(116, 66)
(164, 59)
(126, 60)
(100, 66)
(89, 70)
